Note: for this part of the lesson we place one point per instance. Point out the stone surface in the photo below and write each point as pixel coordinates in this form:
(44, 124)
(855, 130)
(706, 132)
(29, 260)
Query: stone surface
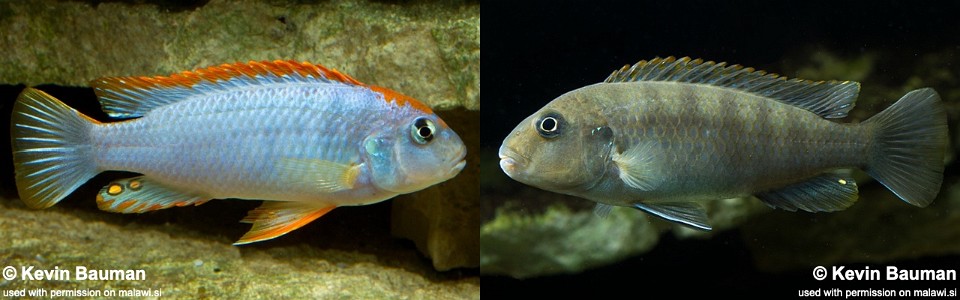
(184, 260)
(426, 50)
(443, 220)
(532, 232)
(560, 241)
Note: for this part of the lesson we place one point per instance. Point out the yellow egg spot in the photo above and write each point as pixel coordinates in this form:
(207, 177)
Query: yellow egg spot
(135, 185)
(843, 181)
(114, 189)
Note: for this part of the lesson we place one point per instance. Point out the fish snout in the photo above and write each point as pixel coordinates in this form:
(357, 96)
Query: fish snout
(510, 161)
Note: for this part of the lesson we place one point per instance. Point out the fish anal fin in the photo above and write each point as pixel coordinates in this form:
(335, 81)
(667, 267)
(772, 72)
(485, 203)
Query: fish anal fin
(273, 219)
(828, 99)
(638, 167)
(140, 194)
(826, 192)
(686, 213)
(326, 176)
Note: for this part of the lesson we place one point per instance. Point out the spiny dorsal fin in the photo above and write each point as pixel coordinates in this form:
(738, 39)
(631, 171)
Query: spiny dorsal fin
(131, 97)
(828, 99)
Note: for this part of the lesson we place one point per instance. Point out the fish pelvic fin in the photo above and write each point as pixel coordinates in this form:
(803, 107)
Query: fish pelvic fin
(687, 213)
(140, 195)
(52, 150)
(273, 219)
(602, 210)
(909, 141)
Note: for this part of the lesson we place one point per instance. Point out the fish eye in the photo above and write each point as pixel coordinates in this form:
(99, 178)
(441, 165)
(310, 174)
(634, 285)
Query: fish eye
(422, 130)
(549, 126)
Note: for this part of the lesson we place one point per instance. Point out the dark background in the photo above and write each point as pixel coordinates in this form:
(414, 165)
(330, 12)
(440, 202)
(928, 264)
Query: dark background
(534, 51)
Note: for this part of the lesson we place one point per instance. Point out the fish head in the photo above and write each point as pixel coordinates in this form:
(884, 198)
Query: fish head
(420, 152)
(561, 148)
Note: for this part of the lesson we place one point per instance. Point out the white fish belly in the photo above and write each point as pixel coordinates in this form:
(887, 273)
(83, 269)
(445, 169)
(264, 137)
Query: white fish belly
(228, 145)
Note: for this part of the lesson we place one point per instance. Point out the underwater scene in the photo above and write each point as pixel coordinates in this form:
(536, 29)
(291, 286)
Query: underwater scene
(356, 122)
(784, 149)
(613, 159)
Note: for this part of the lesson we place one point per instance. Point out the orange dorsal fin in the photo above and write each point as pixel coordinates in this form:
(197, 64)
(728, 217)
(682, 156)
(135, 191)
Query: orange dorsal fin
(252, 69)
(401, 100)
(273, 219)
(130, 97)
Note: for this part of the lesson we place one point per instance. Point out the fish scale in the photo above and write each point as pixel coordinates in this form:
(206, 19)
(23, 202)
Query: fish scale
(198, 140)
(304, 138)
(684, 131)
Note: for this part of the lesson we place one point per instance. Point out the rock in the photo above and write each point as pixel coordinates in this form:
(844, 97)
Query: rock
(65, 237)
(561, 241)
(443, 220)
(428, 51)
(533, 233)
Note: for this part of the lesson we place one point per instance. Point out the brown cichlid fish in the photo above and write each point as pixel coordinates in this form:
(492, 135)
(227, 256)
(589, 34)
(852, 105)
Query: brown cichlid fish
(665, 135)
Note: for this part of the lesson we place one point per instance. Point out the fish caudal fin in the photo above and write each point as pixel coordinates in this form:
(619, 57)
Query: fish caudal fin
(273, 219)
(907, 151)
(51, 148)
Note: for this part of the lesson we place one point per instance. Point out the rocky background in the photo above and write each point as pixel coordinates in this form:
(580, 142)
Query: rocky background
(416, 246)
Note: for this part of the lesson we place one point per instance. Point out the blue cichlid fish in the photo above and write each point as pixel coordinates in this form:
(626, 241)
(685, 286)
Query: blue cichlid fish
(665, 135)
(306, 138)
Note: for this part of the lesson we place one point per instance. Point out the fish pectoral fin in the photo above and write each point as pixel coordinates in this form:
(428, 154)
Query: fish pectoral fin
(273, 219)
(827, 192)
(638, 167)
(602, 210)
(140, 194)
(686, 213)
(327, 176)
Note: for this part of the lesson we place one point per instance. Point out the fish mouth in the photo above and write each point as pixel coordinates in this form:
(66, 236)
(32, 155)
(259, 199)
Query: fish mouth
(461, 162)
(510, 161)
